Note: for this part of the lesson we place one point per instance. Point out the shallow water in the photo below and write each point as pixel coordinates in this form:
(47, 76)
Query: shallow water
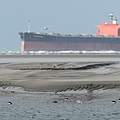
(40, 106)
(59, 58)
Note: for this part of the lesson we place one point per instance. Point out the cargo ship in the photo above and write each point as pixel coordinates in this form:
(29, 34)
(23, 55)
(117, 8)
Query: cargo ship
(106, 38)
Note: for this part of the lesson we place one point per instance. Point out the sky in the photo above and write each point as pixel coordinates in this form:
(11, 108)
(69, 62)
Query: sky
(64, 16)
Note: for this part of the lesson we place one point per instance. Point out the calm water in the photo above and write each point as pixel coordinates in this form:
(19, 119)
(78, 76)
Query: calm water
(39, 106)
(59, 58)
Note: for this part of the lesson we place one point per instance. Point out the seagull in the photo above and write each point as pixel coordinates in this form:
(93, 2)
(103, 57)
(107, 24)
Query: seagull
(114, 101)
(10, 103)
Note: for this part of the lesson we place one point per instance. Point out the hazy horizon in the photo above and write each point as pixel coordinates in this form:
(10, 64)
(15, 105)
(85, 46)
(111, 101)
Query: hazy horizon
(65, 16)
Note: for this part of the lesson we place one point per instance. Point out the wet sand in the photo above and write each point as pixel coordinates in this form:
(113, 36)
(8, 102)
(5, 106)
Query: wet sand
(61, 72)
(72, 87)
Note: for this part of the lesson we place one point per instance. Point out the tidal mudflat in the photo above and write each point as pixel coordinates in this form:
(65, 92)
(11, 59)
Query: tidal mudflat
(60, 87)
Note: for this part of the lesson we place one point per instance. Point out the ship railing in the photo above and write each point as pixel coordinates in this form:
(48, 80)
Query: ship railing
(69, 34)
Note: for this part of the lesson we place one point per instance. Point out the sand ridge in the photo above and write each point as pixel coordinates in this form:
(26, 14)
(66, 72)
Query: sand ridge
(60, 76)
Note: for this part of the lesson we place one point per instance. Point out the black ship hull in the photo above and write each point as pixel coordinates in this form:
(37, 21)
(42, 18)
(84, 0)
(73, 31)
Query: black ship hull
(58, 42)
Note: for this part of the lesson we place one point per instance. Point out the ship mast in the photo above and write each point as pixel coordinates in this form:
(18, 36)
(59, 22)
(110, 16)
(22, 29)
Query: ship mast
(113, 19)
(28, 26)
